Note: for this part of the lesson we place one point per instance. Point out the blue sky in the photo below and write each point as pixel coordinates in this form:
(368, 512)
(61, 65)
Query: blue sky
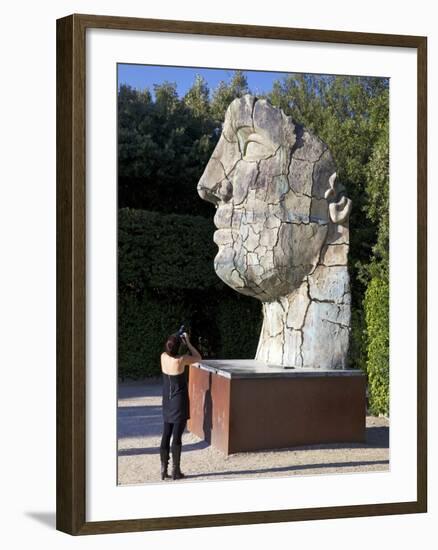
(145, 76)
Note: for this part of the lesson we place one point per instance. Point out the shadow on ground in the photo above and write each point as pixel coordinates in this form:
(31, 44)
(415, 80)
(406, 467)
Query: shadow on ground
(146, 421)
(377, 437)
(142, 388)
(140, 421)
(156, 450)
(298, 467)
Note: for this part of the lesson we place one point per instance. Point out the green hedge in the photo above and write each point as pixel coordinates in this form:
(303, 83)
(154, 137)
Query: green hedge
(165, 278)
(165, 251)
(376, 304)
(145, 321)
(239, 322)
(358, 339)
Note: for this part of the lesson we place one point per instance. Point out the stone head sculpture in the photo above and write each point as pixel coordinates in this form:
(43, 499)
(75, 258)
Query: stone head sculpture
(282, 232)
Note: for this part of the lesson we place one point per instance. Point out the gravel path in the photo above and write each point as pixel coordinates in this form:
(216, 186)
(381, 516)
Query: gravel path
(139, 433)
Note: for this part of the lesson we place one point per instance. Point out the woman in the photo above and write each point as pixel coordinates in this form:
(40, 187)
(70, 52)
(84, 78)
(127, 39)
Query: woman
(175, 400)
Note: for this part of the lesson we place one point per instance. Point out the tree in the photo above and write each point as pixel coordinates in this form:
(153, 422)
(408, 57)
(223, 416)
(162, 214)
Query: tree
(225, 93)
(377, 205)
(197, 99)
(164, 145)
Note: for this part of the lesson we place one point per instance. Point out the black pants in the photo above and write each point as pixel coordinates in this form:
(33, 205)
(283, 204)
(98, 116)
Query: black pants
(169, 428)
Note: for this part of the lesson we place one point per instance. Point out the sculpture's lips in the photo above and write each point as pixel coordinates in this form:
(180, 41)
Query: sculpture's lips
(223, 236)
(223, 216)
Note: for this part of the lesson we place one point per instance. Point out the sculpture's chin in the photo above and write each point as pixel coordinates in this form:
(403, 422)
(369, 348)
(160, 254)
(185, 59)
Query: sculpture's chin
(228, 270)
(248, 280)
(252, 280)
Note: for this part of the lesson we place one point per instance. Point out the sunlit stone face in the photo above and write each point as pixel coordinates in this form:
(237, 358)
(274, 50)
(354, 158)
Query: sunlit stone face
(269, 179)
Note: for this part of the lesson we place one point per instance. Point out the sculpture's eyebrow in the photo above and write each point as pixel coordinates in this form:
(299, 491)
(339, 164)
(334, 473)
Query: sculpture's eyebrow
(262, 145)
(255, 136)
(242, 134)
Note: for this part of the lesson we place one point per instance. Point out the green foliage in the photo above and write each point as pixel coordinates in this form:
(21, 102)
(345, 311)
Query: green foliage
(166, 278)
(144, 322)
(159, 251)
(378, 202)
(239, 322)
(225, 93)
(358, 339)
(197, 99)
(377, 364)
(164, 145)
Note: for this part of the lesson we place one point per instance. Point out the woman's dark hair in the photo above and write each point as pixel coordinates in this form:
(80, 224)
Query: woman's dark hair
(172, 345)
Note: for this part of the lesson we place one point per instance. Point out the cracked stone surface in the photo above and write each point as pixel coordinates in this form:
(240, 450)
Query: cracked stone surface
(282, 233)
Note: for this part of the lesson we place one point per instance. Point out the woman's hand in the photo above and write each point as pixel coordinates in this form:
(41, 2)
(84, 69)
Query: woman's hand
(194, 356)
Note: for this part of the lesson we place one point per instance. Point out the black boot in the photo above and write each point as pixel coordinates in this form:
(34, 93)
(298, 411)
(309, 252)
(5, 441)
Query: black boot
(176, 459)
(164, 456)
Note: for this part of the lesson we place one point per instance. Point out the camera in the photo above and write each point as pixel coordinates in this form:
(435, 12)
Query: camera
(181, 331)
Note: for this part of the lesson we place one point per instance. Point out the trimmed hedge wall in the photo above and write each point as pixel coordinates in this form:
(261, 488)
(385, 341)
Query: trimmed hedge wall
(376, 304)
(166, 278)
(170, 251)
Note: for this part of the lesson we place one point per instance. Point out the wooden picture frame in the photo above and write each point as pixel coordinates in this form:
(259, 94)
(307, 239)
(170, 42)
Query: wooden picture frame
(71, 273)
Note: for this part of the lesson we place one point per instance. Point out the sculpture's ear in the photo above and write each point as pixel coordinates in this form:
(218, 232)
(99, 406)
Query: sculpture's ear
(339, 204)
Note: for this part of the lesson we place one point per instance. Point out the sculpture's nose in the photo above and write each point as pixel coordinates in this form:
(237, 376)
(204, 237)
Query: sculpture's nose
(214, 186)
(206, 193)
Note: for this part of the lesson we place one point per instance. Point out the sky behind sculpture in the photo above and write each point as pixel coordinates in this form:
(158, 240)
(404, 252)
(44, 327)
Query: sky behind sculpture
(145, 76)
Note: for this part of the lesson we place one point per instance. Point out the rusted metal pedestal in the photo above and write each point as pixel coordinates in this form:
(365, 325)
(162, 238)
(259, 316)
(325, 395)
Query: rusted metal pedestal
(246, 405)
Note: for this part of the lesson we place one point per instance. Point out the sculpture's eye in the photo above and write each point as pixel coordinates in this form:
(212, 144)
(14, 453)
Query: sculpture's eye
(254, 146)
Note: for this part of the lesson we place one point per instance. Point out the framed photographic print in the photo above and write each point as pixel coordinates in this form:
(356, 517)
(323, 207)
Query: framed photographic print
(241, 274)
